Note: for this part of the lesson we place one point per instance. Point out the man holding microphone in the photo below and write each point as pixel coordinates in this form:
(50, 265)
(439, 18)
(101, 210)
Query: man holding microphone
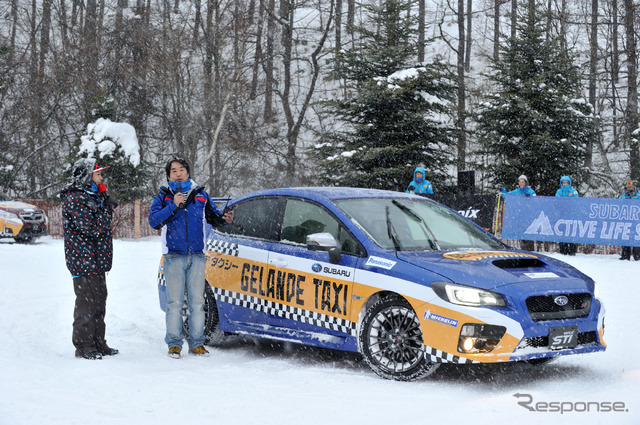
(181, 210)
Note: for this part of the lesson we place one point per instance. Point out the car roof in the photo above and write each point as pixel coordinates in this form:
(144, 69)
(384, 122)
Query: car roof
(332, 193)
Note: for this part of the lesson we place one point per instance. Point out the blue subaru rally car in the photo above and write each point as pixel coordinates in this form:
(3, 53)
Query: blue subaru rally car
(403, 280)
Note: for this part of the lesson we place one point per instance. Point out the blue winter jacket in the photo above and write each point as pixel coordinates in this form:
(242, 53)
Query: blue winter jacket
(631, 195)
(567, 191)
(184, 228)
(525, 191)
(423, 188)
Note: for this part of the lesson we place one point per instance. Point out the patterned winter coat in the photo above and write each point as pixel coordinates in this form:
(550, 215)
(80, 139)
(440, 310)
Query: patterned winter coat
(88, 240)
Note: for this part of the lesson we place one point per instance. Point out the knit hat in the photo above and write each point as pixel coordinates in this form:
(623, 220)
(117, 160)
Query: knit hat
(182, 161)
(81, 170)
(523, 177)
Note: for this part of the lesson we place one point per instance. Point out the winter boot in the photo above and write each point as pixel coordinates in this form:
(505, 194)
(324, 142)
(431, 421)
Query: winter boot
(199, 351)
(91, 355)
(626, 253)
(174, 352)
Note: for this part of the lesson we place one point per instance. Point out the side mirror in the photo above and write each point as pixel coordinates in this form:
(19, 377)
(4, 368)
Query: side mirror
(324, 242)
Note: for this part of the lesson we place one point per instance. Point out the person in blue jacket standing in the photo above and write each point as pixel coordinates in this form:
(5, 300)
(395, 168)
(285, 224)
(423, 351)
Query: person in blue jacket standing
(566, 190)
(630, 192)
(182, 211)
(419, 185)
(523, 189)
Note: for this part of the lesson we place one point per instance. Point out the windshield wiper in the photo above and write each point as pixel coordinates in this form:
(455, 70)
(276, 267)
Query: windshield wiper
(428, 233)
(392, 232)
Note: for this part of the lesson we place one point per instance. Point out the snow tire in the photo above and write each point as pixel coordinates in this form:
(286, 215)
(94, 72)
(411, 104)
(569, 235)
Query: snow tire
(390, 340)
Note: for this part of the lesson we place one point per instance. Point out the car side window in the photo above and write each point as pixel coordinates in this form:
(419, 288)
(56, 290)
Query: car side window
(256, 218)
(302, 218)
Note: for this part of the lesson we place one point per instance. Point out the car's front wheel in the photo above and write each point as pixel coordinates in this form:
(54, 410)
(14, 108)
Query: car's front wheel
(390, 340)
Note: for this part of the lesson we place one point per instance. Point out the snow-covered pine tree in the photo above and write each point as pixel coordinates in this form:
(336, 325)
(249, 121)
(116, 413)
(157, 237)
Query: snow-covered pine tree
(537, 121)
(113, 144)
(397, 113)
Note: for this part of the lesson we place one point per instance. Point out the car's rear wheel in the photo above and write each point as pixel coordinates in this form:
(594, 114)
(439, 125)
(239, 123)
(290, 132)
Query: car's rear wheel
(212, 333)
(390, 340)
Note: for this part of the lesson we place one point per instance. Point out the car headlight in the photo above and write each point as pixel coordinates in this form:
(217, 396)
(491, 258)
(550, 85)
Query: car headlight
(467, 295)
(8, 215)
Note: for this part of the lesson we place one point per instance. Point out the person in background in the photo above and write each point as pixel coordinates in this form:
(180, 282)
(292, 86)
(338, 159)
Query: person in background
(630, 192)
(88, 247)
(419, 185)
(181, 210)
(566, 190)
(523, 189)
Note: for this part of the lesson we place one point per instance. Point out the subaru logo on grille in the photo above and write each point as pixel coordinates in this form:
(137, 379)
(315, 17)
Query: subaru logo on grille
(316, 267)
(561, 300)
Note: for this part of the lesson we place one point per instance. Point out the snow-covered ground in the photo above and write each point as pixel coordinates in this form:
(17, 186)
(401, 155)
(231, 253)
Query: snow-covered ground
(246, 382)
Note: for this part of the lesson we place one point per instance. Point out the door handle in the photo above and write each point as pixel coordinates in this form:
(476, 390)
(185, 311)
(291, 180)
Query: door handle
(278, 263)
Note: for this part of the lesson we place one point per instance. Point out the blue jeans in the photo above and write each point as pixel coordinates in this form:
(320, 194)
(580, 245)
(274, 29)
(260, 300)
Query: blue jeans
(180, 271)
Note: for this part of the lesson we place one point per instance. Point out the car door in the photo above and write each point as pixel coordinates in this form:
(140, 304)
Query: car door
(237, 262)
(311, 291)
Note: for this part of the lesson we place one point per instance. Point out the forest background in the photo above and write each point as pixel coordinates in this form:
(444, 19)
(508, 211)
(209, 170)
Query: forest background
(267, 93)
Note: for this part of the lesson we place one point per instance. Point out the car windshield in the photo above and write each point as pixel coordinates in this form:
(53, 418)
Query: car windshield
(415, 225)
(4, 197)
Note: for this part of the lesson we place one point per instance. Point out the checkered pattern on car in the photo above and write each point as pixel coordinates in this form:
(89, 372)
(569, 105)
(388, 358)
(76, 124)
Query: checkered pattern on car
(222, 247)
(288, 312)
(161, 280)
(434, 355)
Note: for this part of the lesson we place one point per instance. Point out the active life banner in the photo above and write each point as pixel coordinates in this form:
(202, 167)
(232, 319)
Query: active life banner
(597, 221)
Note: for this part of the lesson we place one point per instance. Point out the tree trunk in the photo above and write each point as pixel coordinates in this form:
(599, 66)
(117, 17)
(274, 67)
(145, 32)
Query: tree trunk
(615, 51)
(514, 17)
(339, 25)
(593, 69)
(467, 53)
(631, 112)
(461, 126)
(268, 62)
(496, 30)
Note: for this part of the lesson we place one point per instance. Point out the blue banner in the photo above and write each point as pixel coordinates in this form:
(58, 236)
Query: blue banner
(599, 221)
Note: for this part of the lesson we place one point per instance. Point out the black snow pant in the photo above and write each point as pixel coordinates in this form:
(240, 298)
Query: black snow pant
(626, 253)
(88, 316)
(528, 245)
(568, 248)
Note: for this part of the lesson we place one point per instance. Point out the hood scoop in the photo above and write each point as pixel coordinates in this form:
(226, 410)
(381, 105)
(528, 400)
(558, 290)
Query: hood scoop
(519, 263)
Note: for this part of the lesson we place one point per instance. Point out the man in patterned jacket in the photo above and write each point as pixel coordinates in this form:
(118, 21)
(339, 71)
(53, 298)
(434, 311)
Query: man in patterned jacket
(88, 248)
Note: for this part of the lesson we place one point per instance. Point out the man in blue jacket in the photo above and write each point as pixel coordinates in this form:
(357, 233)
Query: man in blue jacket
(567, 191)
(419, 185)
(630, 192)
(182, 211)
